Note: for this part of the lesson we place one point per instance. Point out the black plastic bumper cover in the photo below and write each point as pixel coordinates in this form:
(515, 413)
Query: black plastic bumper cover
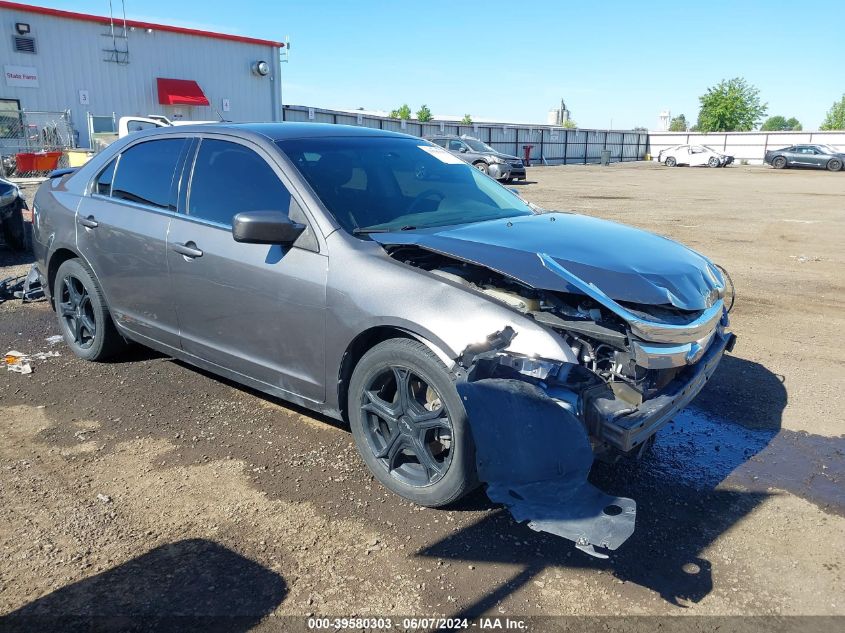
(535, 457)
(625, 428)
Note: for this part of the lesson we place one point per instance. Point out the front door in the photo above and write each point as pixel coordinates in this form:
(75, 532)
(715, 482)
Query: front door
(255, 309)
(121, 230)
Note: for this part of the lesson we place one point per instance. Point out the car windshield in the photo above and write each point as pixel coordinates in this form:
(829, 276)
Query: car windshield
(375, 184)
(477, 145)
(828, 149)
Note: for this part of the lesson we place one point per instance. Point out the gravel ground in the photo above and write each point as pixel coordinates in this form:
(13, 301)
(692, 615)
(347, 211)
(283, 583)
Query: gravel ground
(145, 487)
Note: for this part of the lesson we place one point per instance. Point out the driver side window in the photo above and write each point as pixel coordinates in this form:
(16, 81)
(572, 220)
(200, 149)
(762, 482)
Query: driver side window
(455, 146)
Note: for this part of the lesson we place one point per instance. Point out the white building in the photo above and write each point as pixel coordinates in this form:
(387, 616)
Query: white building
(59, 61)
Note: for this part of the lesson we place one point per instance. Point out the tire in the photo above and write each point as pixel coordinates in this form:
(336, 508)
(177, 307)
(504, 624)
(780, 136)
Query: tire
(481, 166)
(834, 164)
(84, 318)
(14, 233)
(779, 162)
(390, 436)
(670, 161)
(713, 162)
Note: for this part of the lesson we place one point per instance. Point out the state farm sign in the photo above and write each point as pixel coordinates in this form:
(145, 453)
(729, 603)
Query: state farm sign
(21, 76)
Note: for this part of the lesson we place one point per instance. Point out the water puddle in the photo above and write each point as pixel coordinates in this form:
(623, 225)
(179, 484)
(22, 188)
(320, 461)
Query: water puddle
(702, 451)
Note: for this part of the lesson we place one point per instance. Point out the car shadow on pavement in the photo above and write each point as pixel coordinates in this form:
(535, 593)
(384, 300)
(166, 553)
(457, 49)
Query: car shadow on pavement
(191, 585)
(684, 494)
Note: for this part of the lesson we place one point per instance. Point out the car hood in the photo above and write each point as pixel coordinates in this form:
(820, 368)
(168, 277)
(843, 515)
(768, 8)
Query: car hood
(564, 251)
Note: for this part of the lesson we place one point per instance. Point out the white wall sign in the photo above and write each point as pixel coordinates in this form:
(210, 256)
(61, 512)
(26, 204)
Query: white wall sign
(360, 119)
(83, 98)
(310, 114)
(404, 124)
(442, 127)
(21, 76)
(227, 106)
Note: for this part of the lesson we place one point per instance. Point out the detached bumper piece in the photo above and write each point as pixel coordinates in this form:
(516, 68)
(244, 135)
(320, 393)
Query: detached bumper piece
(535, 458)
(626, 427)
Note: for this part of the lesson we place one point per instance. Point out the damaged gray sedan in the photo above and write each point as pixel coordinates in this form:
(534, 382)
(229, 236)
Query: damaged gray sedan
(465, 335)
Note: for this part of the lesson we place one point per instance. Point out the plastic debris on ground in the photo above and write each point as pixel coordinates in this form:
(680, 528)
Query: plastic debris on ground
(25, 287)
(22, 363)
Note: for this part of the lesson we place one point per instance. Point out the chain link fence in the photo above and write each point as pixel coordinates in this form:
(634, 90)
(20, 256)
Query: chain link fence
(34, 143)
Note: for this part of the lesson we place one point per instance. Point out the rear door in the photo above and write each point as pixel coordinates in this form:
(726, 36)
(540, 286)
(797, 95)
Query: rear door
(121, 231)
(255, 309)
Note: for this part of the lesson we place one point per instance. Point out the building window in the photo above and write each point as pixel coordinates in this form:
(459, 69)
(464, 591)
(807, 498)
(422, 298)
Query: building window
(11, 123)
(24, 44)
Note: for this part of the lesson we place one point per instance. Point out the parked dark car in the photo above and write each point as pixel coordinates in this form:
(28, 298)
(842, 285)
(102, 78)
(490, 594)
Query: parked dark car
(376, 278)
(816, 156)
(483, 157)
(12, 207)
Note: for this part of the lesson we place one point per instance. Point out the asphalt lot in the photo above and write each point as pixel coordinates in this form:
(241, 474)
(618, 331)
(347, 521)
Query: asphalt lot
(144, 486)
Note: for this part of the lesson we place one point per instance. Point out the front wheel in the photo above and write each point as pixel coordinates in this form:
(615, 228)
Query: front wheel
(482, 167)
(409, 424)
(779, 162)
(834, 164)
(84, 318)
(670, 161)
(713, 162)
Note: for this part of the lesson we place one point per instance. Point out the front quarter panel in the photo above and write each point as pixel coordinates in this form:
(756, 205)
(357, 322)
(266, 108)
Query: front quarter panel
(367, 289)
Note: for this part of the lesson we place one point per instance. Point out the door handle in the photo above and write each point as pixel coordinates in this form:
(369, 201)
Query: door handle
(189, 249)
(89, 222)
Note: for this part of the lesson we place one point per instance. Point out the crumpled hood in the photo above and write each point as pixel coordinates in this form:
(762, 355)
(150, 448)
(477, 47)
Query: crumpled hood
(624, 263)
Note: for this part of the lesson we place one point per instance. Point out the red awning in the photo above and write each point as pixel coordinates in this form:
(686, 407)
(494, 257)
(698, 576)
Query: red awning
(180, 92)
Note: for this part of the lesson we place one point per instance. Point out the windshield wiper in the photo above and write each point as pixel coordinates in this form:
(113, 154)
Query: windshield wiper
(366, 231)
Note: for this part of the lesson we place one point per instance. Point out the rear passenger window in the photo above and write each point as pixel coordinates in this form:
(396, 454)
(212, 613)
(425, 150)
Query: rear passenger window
(104, 180)
(229, 179)
(145, 174)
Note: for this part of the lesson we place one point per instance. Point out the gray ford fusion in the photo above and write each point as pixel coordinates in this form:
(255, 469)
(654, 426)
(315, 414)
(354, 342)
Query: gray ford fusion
(466, 336)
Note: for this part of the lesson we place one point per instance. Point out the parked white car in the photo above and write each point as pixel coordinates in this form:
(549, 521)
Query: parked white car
(129, 124)
(694, 156)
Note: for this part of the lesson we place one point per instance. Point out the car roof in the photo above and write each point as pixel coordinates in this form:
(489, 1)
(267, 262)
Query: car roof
(285, 130)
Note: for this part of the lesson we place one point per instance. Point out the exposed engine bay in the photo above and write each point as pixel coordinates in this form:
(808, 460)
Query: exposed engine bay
(633, 367)
(611, 366)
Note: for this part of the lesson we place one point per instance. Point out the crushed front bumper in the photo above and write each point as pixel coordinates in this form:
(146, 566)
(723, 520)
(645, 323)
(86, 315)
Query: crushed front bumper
(625, 427)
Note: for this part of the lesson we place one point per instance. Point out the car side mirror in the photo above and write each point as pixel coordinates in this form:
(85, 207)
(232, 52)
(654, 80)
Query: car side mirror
(265, 227)
(463, 150)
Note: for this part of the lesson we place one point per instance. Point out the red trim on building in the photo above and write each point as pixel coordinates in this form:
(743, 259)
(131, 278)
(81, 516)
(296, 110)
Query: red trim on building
(180, 92)
(99, 19)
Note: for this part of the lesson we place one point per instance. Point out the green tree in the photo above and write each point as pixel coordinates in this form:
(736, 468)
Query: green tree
(424, 114)
(778, 123)
(403, 112)
(678, 124)
(569, 124)
(467, 120)
(835, 119)
(731, 106)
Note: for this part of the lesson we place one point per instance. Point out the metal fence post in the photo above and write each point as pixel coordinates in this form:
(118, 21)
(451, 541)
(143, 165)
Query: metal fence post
(586, 145)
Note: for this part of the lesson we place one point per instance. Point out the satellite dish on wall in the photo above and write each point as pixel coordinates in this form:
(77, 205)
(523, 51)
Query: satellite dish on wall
(261, 68)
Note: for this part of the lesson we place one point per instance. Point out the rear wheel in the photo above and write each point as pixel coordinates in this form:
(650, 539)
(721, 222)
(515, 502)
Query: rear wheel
(670, 161)
(834, 164)
(481, 166)
(409, 424)
(84, 318)
(779, 162)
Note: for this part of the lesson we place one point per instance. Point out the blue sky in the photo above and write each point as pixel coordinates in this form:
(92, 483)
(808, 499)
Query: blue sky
(512, 61)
